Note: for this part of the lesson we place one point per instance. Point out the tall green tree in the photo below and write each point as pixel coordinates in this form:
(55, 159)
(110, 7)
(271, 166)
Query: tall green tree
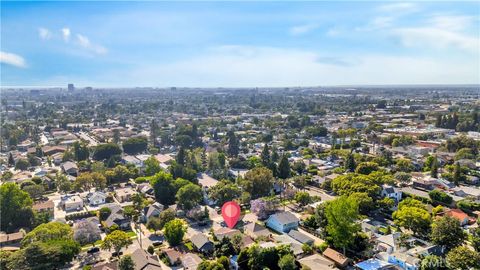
(447, 232)
(16, 207)
(116, 240)
(189, 196)
(284, 168)
(233, 144)
(258, 182)
(162, 184)
(152, 166)
(265, 156)
(462, 257)
(342, 214)
(126, 263)
(350, 163)
(174, 231)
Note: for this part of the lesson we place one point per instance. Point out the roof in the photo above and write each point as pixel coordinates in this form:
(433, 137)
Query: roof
(222, 232)
(163, 158)
(155, 207)
(257, 229)
(285, 217)
(69, 165)
(317, 261)
(11, 237)
(206, 180)
(43, 205)
(144, 261)
(106, 266)
(457, 213)
(191, 261)
(335, 256)
(372, 264)
(199, 240)
(172, 254)
(300, 237)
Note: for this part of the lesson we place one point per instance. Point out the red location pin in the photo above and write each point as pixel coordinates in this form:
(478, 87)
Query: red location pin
(231, 213)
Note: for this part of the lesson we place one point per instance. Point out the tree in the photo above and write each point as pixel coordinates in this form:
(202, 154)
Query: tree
(404, 165)
(350, 163)
(462, 257)
(22, 164)
(11, 160)
(86, 232)
(457, 174)
(104, 213)
(117, 240)
(224, 191)
(35, 191)
(303, 198)
(47, 232)
(174, 231)
(126, 263)
(265, 156)
(287, 262)
(434, 167)
(440, 196)
(163, 187)
(411, 214)
(433, 262)
(152, 166)
(99, 180)
(258, 182)
(476, 239)
(53, 254)
(447, 232)
(341, 215)
(366, 167)
(80, 151)
(106, 151)
(233, 145)
(284, 168)
(224, 247)
(16, 207)
(403, 177)
(84, 181)
(189, 196)
(135, 145)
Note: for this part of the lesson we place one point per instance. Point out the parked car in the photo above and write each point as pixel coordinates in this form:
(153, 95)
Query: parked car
(157, 243)
(115, 254)
(93, 250)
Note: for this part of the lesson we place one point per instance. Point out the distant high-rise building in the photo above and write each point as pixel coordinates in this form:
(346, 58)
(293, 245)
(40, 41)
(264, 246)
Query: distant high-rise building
(88, 88)
(71, 87)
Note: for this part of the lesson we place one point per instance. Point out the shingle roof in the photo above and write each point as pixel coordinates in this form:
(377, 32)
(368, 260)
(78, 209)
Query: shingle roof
(285, 217)
(300, 237)
(199, 240)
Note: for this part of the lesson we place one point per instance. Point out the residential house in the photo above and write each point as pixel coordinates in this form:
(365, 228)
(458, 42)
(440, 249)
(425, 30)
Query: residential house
(117, 217)
(96, 198)
(202, 244)
(462, 217)
(145, 261)
(70, 168)
(337, 257)
(225, 232)
(173, 256)
(72, 203)
(124, 194)
(256, 230)
(191, 261)
(404, 260)
(295, 246)
(132, 160)
(389, 191)
(152, 210)
(11, 241)
(106, 266)
(44, 207)
(388, 243)
(466, 191)
(282, 222)
(317, 261)
(300, 237)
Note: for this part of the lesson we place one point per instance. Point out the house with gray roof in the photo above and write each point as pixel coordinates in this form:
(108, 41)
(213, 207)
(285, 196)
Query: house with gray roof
(202, 243)
(282, 222)
(300, 237)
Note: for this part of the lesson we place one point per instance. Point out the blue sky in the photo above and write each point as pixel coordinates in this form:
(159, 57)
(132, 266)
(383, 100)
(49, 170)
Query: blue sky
(239, 44)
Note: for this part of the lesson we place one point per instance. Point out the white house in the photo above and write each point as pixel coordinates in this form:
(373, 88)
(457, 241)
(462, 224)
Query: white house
(391, 192)
(72, 203)
(96, 198)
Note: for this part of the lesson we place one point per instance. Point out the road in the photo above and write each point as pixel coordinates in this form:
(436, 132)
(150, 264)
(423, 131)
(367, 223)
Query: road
(314, 191)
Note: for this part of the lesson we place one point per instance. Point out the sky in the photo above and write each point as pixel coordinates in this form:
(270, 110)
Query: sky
(239, 44)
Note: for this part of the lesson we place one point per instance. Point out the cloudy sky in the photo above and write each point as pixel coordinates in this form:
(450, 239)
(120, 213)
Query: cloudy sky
(236, 44)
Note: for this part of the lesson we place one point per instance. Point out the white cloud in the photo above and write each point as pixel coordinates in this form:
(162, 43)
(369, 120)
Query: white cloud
(44, 33)
(84, 42)
(246, 66)
(377, 23)
(302, 29)
(66, 34)
(398, 7)
(12, 59)
(450, 22)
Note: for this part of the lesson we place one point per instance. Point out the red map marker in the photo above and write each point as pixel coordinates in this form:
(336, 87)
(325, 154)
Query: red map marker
(231, 213)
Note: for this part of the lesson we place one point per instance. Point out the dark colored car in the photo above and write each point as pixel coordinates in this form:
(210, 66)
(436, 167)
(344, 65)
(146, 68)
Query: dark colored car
(93, 250)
